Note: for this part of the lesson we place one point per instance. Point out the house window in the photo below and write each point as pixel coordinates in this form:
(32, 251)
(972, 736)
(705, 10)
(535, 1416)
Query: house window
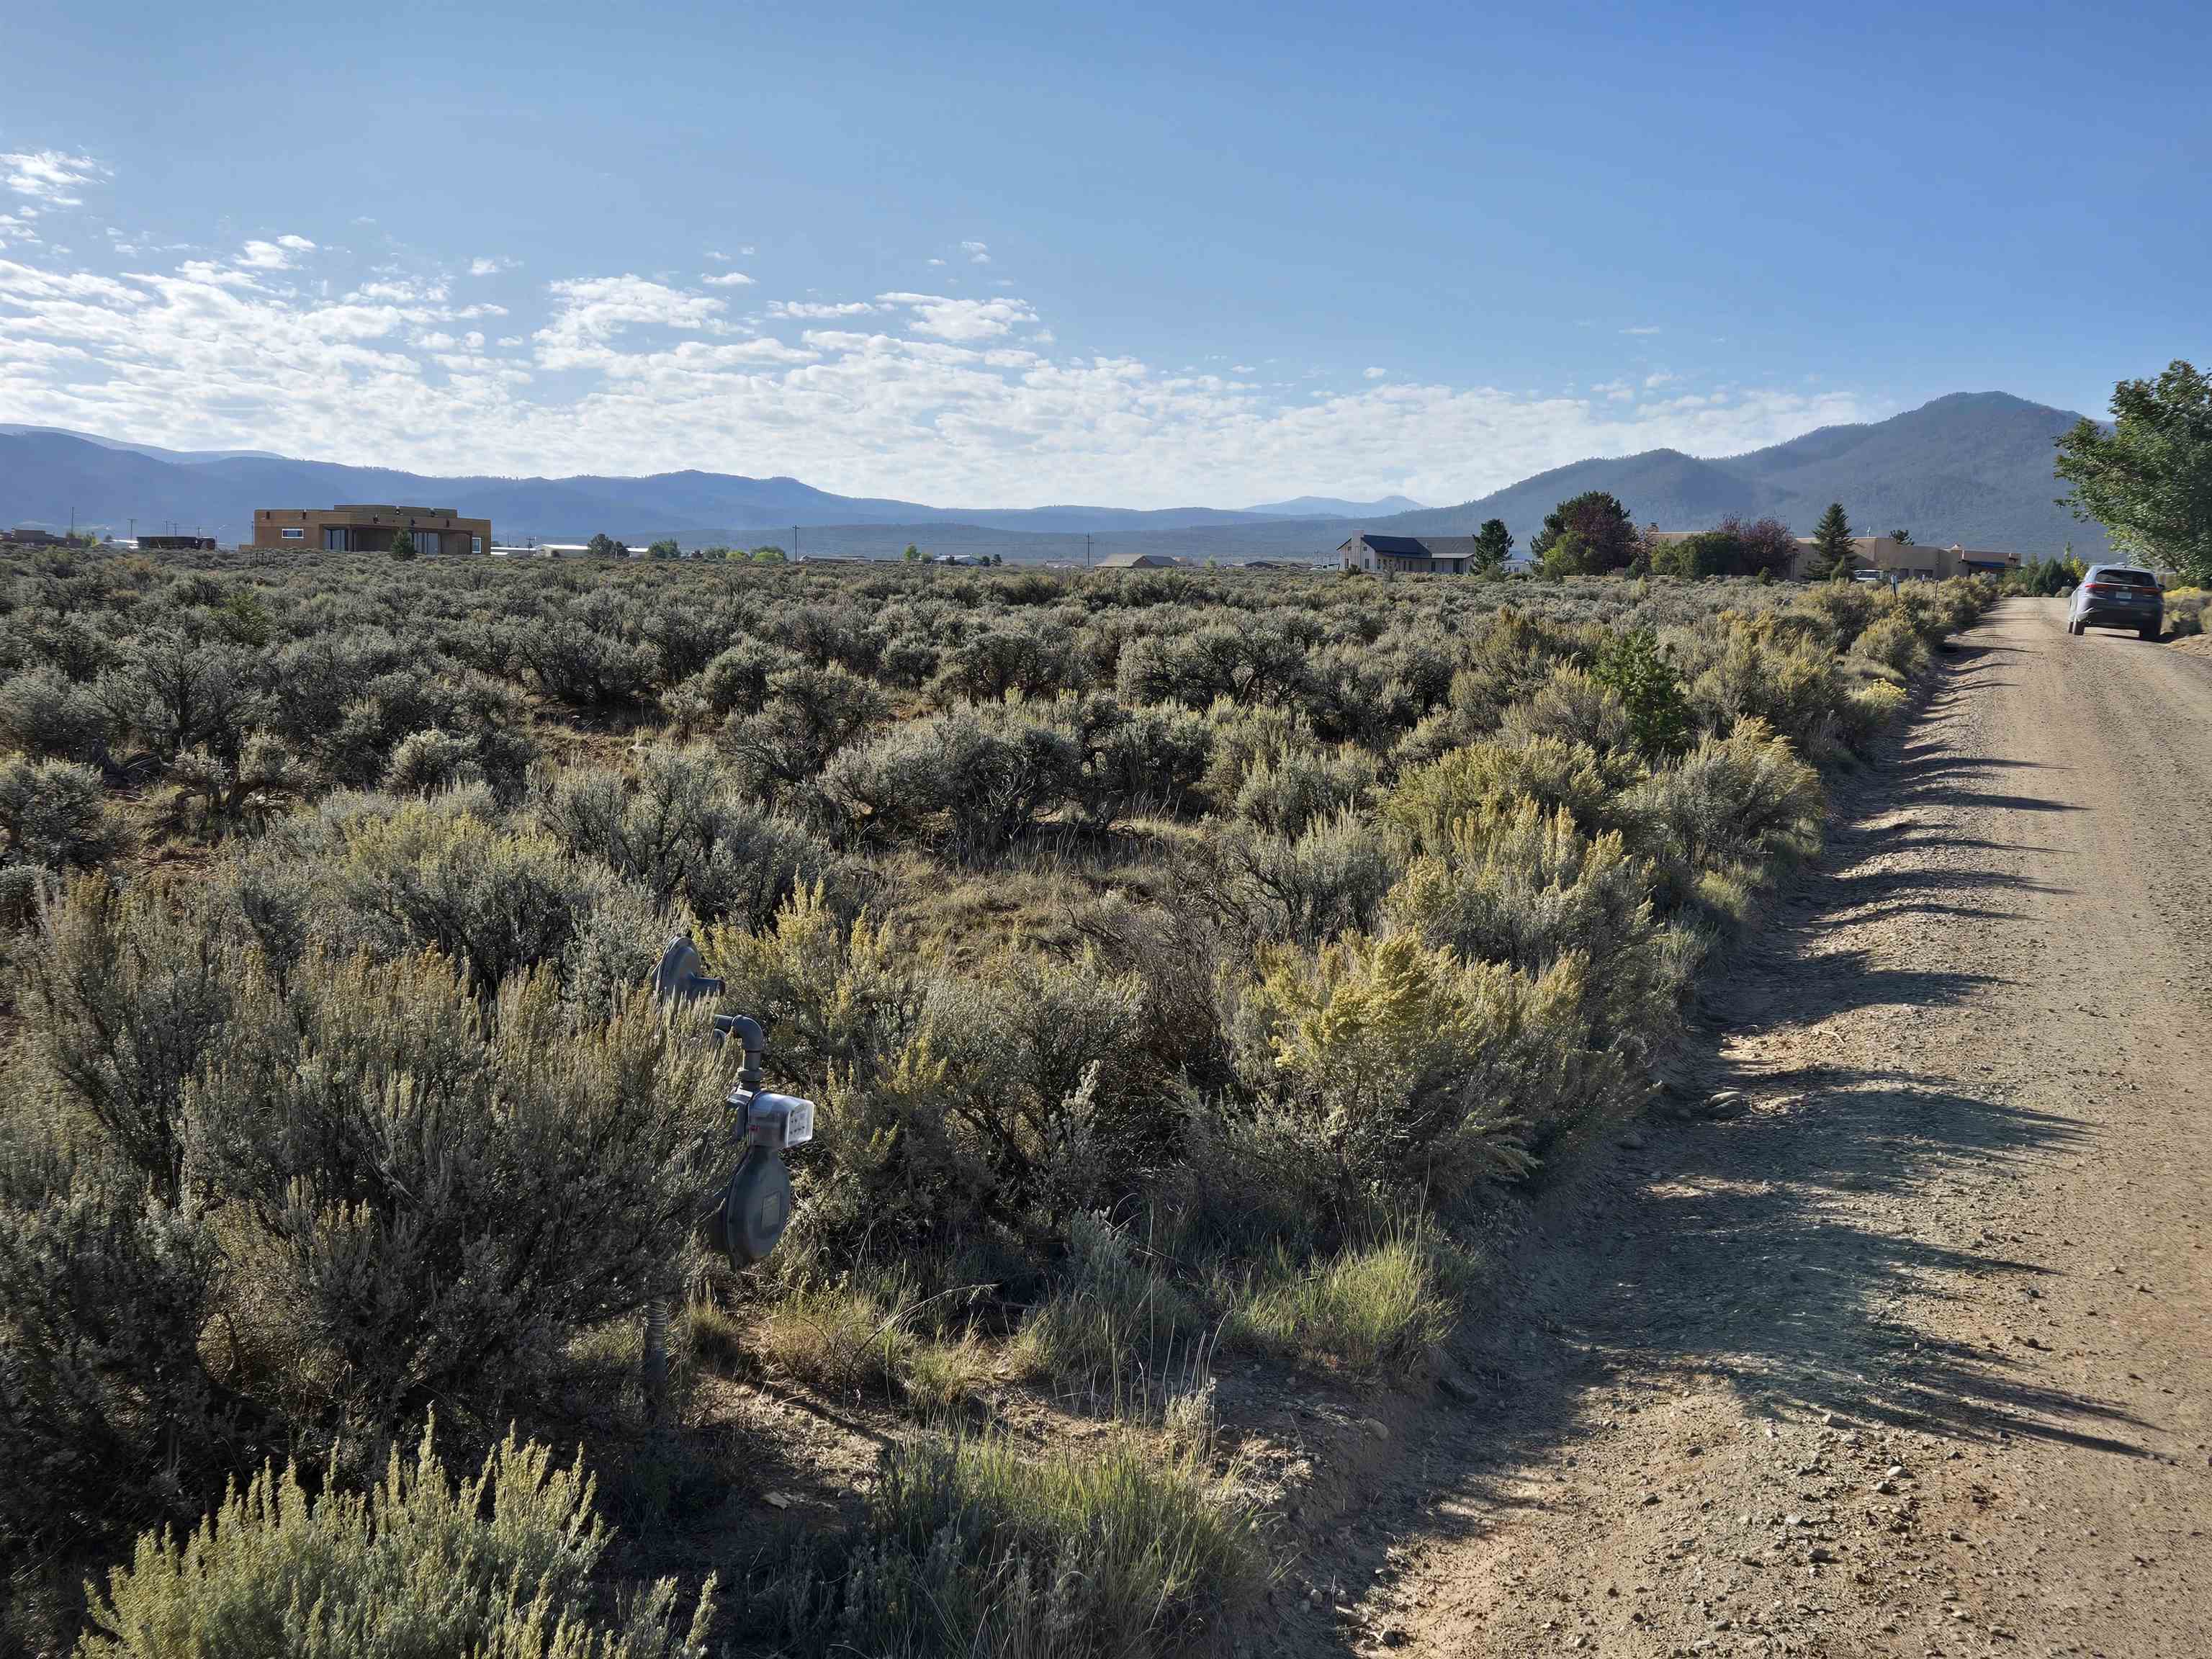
(293, 533)
(475, 543)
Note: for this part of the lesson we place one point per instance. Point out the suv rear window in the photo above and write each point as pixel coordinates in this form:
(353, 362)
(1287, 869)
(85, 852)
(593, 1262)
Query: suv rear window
(2132, 578)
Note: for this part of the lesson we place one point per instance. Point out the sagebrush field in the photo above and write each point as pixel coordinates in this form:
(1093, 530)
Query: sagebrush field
(1183, 964)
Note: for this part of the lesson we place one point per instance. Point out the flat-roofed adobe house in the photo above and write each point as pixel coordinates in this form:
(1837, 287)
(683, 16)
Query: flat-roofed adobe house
(370, 529)
(1449, 556)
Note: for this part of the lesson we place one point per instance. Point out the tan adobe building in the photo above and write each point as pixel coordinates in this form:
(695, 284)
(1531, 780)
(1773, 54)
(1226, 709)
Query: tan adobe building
(436, 530)
(1909, 559)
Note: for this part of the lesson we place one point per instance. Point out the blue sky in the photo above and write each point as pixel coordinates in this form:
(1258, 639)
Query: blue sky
(1017, 254)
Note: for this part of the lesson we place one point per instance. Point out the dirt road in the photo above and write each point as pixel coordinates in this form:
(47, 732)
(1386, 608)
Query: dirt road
(1913, 1357)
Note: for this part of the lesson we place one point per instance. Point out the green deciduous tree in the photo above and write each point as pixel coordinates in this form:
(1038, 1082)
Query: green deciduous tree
(2149, 480)
(666, 547)
(604, 546)
(1832, 554)
(913, 554)
(1599, 523)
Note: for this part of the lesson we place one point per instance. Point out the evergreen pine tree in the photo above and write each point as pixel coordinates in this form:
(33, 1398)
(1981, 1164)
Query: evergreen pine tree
(1832, 544)
(1492, 543)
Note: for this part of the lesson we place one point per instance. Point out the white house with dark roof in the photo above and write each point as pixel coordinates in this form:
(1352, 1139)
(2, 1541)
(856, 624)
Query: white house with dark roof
(1447, 555)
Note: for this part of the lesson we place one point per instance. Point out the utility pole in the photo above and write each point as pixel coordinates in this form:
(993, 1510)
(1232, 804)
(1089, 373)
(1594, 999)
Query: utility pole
(1086, 552)
(794, 544)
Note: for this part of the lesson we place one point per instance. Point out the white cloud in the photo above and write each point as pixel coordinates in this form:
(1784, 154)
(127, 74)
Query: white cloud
(1646, 329)
(744, 253)
(398, 292)
(274, 256)
(588, 314)
(491, 264)
(51, 176)
(729, 279)
(813, 310)
(937, 262)
(979, 253)
(962, 319)
(917, 395)
(1373, 374)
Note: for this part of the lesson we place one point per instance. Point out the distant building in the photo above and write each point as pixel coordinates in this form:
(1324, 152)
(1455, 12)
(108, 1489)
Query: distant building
(1446, 556)
(1142, 562)
(24, 536)
(176, 543)
(371, 529)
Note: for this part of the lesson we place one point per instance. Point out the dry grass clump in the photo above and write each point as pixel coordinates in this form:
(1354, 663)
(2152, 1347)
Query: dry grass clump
(972, 1545)
(1370, 1307)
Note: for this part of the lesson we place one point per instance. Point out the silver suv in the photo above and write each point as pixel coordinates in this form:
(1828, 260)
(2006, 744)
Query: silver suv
(2118, 596)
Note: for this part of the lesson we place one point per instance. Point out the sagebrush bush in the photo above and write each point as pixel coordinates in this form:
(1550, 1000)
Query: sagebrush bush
(498, 903)
(1328, 879)
(1531, 890)
(809, 714)
(132, 999)
(1414, 1069)
(55, 813)
(1284, 794)
(1138, 760)
(1894, 644)
(50, 717)
(579, 666)
(1484, 780)
(967, 783)
(1573, 706)
(107, 1420)
(499, 1563)
(1740, 804)
(427, 762)
(678, 825)
(394, 1149)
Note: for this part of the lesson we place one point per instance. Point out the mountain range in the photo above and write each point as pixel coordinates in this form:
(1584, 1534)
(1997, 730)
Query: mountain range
(1973, 468)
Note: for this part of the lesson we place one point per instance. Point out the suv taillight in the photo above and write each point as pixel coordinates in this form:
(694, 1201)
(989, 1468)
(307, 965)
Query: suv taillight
(2102, 587)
